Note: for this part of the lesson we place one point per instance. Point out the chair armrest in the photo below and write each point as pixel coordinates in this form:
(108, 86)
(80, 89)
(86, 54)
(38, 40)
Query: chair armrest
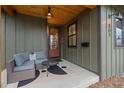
(10, 66)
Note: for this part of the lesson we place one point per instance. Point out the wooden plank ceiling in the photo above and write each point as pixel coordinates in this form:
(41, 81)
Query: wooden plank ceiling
(61, 13)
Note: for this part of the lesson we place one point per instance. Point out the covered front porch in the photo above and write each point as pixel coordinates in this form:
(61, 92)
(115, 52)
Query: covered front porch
(62, 32)
(82, 36)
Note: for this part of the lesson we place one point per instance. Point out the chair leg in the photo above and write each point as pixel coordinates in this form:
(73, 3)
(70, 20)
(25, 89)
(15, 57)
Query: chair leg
(47, 71)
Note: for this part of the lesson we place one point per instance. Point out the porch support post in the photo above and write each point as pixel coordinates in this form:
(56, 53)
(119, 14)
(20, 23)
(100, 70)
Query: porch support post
(0, 47)
(8, 9)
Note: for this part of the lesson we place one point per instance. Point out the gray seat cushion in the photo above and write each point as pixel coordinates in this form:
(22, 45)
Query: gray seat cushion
(40, 60)
(21, 58)
(40, 55)
(26, 66)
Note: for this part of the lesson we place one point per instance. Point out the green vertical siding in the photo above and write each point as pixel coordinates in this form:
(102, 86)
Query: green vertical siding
(94, 41)
(20, 34)
(87, 31)
(86, 38)
(103, 44)
(79, 40)
(9, 37)
(108, 43)
(3, 38)
(112, 58)
(23, 34)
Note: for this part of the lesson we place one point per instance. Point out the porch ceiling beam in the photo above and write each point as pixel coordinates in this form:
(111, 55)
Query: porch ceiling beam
(89, 6)
(8, 9)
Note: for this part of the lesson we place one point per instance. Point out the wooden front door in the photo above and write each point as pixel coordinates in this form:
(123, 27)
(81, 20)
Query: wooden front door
(54, 42)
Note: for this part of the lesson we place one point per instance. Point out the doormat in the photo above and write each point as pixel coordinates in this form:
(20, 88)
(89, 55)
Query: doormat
(56, 70)
(25, 82)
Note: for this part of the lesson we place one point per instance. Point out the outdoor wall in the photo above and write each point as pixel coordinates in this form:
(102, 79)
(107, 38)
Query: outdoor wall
(87, 31)
(112, 58)
(0, 46)
(23, 33)
(3, 39)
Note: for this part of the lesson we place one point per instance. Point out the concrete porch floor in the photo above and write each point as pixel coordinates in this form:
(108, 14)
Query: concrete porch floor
(76, 77)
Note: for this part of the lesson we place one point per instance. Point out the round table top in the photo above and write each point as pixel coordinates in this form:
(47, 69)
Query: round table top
(50, 63)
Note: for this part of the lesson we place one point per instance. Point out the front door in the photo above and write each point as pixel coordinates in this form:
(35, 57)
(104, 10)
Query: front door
(54, 42)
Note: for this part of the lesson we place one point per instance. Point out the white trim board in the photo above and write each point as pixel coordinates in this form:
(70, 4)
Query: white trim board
(4, 78)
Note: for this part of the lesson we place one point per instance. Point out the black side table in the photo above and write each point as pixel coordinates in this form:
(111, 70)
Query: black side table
(49, 63)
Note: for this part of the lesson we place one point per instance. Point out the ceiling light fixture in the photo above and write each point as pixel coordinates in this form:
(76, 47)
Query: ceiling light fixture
(49, 14)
